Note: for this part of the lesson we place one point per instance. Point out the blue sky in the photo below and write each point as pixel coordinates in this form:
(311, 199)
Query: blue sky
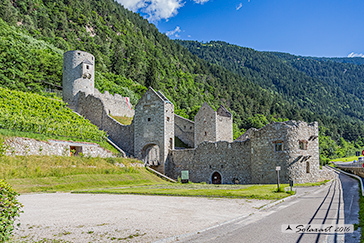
(330, 28)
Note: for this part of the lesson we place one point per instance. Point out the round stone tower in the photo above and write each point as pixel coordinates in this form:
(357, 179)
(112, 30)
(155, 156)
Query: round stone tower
(78, 75)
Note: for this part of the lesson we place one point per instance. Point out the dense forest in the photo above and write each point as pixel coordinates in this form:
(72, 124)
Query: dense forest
(131, 54)
(330, 89)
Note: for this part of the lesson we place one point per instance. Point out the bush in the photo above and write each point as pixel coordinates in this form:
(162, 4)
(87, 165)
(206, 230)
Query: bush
(3, 146)
(9, 209)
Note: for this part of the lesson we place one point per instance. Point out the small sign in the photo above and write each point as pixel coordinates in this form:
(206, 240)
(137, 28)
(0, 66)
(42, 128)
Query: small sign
(278, 168)
(184, 175)
(362, 152)
(357, 153)
(363, 165)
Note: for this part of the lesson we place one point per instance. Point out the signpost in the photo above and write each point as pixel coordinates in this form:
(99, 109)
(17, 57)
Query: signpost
(278, 168)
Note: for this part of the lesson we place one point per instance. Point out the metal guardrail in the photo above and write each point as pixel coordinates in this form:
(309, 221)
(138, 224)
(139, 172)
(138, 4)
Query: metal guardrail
(352, 175)
(350, 165)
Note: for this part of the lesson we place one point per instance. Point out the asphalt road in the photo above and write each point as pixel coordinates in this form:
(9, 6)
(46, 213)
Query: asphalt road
(335, 203)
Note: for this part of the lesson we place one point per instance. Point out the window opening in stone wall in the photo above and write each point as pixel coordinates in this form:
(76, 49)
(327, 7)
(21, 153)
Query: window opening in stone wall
(170, 143)
(87, 67)
(190, 127)
(75, 150)
(307, 167)
(303, 144)
(205, 133)
(78, 53)
(149, 119)
(167, 119)
(278, 146)
(184, 127)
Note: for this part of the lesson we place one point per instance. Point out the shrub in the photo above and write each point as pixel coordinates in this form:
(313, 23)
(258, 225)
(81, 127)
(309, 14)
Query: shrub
(3, 146)
(9, 210)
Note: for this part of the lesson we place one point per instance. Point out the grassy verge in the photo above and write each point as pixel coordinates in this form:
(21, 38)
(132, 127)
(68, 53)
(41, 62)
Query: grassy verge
(345, 159)
(123, 119)
(313, 183)
(114, 175)
(201, 190)
(42, 137)
(52, 173)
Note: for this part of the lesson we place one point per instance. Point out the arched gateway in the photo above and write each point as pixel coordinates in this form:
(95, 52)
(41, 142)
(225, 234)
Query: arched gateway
(216, 178)
(151, 155)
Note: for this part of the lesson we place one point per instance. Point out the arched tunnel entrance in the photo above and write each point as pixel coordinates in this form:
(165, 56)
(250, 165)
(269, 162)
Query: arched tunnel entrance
(216, 178)
(151, 155)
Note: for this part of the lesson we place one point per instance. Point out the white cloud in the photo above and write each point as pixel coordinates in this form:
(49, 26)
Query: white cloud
(201, 1)
(155, 9)
(133, 5)
(174, 32)
(356, 55)
(239, 6)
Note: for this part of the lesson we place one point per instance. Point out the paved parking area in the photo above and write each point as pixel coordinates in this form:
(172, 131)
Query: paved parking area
(70, 217)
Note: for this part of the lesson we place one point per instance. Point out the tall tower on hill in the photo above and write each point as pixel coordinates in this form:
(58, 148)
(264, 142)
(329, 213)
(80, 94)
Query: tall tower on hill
(78, 75)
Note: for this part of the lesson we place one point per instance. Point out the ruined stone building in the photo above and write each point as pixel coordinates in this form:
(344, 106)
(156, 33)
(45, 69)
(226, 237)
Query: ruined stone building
(211, 155)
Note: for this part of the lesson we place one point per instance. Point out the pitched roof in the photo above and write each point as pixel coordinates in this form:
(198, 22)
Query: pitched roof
(86, 61)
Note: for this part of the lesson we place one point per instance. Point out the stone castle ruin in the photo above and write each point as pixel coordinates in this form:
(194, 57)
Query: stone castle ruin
(211, 155)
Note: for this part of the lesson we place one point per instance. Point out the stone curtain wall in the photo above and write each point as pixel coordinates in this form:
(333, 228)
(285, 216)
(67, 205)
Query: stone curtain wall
(26, 146)
(115, 105)
(184, 129)
(93, 109)
(231, 160)
(254, 159)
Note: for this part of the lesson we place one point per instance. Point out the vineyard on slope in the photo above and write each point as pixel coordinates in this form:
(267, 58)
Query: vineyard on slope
(30, 112)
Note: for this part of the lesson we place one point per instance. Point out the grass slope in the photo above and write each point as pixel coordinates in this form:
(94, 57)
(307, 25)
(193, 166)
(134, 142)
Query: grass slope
(52, 173)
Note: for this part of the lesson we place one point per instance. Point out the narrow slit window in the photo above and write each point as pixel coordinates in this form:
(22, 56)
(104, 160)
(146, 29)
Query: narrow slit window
(278, 146)
(303, 144)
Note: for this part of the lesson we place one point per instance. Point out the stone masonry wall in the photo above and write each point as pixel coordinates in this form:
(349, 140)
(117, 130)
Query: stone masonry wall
(299, 165)
(252, 159)
(78, 74)
(27, 146)
(115, 105)
(184, 129)
(149, 122)
(92, 108)
(224, 125)
(205, 125)
(231, 160)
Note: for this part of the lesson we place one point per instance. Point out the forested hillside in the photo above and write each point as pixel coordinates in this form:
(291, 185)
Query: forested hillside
(331, 90)
(131, 54)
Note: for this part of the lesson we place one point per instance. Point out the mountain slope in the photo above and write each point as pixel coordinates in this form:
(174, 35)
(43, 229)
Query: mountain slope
(330, 97)
(131, 54)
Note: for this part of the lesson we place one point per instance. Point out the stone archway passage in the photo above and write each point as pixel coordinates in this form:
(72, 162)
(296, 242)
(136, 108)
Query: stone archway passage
(151, 155)
(216, 178)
